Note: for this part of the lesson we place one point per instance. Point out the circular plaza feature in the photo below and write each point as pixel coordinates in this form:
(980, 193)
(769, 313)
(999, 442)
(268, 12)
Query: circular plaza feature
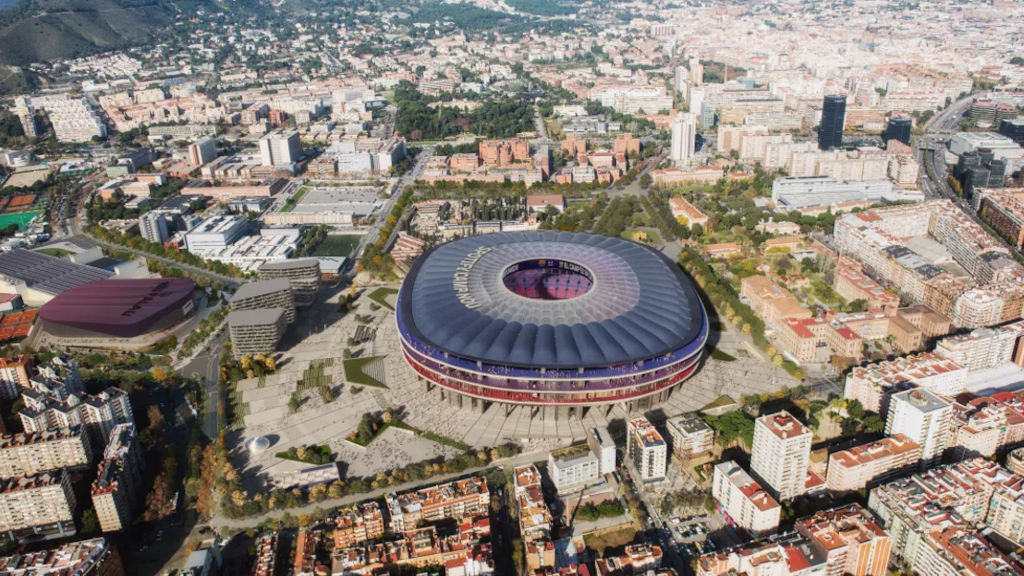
(550, 318)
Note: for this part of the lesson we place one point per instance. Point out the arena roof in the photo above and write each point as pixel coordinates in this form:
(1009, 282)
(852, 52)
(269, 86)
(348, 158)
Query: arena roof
(122, 308)
(633, 302)
(45, 273)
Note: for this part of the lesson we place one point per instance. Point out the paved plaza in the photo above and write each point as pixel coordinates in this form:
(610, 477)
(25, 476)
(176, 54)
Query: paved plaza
(267, 414)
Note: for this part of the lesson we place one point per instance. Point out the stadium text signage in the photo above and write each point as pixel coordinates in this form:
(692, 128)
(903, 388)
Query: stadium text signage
(460, 280)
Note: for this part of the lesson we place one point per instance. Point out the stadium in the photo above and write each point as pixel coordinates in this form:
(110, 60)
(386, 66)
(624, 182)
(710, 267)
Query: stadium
(117, 313)
(557, 320)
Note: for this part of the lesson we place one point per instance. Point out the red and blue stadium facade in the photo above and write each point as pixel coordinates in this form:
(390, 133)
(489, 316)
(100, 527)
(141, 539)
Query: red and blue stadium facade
(550, 319)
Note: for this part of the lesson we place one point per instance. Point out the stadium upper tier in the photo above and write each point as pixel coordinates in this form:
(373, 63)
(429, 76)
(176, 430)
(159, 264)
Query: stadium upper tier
(515, 316)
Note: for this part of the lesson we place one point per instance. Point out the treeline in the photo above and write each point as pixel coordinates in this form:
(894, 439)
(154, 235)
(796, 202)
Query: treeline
(375, 259)
(661, 215)
(498, 117)
(140, 244)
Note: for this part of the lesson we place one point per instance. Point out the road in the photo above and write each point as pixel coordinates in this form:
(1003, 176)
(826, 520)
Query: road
(205, 369)
(410, 177)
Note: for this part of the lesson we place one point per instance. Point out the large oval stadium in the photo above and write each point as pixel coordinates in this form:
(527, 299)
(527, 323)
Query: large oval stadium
(550, 319)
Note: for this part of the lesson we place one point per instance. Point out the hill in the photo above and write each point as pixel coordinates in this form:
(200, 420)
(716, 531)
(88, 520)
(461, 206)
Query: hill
(39, 30)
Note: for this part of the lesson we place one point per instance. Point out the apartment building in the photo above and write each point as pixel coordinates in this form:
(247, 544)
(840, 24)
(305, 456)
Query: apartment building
(535, 520)
(646, 449)
(302, 274)
(917, 511)
(852, 283)
(635, 559)
(871, 385)
(871, 463)
(984, 426)
(573, 469)
(52, 403)
(690, 436)
(781, 454)
(460, 499)
(922, 417)
(359, 523)
(13, 376)
(265, 294)
(96, 557)
(32, 453)
(256, 331)
(280, 148)
(117, 490)
(43, 503)
(984, 347)
(744, 500)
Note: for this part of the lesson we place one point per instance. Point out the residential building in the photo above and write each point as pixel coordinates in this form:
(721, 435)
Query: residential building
(256, 331)
(983, 347)
(31, 453)
(690, 436)
(535, 520)
(686, 213)
(871, 463)
(781, 454)
(871, 385)
(96, 557)
(276, 293)
(922, 417)
(357, 524)
(635, 559)
(39, 504)
(744, 500)
(117, 490)
(13, 376)
(646, 449)
(460, 499)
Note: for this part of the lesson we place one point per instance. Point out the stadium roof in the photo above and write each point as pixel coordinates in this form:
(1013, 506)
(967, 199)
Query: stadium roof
(45, 273)
(120, 307)
(640, 304)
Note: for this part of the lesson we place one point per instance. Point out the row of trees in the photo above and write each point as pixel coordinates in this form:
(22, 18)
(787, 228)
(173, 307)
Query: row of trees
(140, 244)
(240, 503)
(375, 259)
(577, 220)
(617, 216)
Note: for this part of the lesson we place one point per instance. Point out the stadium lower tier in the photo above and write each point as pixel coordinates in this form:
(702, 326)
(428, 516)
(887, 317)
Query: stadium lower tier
(540, 391)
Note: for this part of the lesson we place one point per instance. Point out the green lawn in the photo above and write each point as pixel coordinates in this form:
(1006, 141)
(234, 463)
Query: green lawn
(55, 252)
(354, 372)
(719, 402)
(380, 296)
(338, 245)
(290, 203)
(20, 218)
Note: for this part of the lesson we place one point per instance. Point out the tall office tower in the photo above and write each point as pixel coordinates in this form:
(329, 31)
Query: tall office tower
(682, 79)
(781, 453)
(696, 101)
(696, 71)
(898, 128)
(153, 226)
(684, 134)
(924, 418)
(280, 148)
(833, 118)
(201, 152)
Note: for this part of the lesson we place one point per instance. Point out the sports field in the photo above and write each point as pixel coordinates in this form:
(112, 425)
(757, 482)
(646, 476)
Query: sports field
(20, 218)
(338, 245)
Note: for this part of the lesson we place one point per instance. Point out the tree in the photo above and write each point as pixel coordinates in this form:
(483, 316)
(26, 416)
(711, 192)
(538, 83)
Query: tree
(90, 522)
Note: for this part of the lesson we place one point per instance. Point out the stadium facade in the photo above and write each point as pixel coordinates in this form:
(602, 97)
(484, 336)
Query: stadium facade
(552, 320)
